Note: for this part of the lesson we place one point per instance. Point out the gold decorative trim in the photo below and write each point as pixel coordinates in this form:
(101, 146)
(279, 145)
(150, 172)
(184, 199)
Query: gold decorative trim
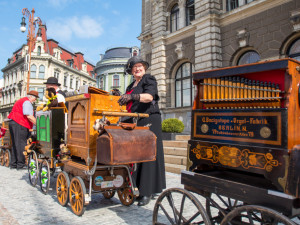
(189, 163)
(234, 157)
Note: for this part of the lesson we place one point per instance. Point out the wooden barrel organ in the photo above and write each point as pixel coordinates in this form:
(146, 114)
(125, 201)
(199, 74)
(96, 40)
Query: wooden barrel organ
(96, 162)
(245, 129)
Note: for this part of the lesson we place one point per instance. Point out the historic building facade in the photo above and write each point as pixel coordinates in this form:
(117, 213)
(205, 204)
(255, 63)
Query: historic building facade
(48, 58)
(110, 68)
(182, 36)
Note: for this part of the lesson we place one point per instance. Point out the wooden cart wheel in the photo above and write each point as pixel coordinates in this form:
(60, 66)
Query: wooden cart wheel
(62, 188)
(77, 193)
(109, 194)
(44, 176)
(1, 157)
(217, 207)
(178, 206)
(253, 214)
(33, 168)
(7, 157)
(126, 196)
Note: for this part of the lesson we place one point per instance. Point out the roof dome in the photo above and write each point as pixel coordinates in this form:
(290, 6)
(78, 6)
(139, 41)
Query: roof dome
(121, 52)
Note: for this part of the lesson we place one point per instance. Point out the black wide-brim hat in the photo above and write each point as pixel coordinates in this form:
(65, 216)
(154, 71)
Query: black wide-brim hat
(52, 80)
(134, 60)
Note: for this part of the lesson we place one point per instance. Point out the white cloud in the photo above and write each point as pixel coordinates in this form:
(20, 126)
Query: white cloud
(81, 27)
(115, 12)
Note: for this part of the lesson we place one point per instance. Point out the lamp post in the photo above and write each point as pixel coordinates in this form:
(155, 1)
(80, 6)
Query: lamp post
(33, 21)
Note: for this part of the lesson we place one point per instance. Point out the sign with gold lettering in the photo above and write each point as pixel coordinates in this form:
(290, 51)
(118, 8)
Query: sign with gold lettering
(261, 127)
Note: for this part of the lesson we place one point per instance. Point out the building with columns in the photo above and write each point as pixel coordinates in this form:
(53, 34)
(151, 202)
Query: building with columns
(48, 58)
(182, 36)
(110, 68)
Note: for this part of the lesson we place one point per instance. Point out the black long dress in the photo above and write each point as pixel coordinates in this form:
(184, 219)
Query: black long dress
(149, 176)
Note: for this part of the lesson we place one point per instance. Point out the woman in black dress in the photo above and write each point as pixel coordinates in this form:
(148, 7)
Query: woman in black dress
(142, 97)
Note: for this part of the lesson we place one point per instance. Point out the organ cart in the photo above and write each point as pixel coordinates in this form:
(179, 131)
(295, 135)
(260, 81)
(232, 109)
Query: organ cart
(5, 148)
(91, 159)
(244, 152)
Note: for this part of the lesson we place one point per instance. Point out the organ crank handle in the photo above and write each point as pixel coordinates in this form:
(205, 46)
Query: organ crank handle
(107, 113)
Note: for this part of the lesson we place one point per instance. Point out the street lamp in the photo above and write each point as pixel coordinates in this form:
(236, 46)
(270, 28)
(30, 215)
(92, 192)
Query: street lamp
(33, 21)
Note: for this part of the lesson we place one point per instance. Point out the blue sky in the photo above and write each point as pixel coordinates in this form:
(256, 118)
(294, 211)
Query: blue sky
(88, 26)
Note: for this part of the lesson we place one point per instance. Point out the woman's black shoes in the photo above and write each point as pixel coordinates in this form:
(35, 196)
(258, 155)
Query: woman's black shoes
(144, 200)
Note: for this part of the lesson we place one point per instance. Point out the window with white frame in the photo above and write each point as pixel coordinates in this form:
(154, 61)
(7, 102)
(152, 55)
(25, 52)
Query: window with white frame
(65, 80)
(39, 50)
(184, 88)
(174, 18)
(116, 80)
(101, 83)
(33, 71)
(41, 72)
(71, 82)
(41, 93)
(77, 84)
(56, 75)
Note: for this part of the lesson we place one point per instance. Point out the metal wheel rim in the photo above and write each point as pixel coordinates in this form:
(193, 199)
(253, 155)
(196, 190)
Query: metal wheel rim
(126, 196)
(253, 216)
(77, 193)
(62, 188)
(33, 169)
(44, 178)
(108, 194)
(177, 217)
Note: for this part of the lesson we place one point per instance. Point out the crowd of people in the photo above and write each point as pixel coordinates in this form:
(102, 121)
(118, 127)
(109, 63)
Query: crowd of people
(141, 96)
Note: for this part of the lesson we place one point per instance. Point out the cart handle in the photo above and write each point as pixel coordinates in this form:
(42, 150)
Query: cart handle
(106, 113)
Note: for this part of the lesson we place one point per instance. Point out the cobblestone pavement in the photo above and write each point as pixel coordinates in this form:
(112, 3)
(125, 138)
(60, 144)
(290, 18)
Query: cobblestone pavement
(20, 203)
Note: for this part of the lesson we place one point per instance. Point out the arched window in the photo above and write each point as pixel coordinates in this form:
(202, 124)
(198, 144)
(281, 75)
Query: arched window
(190, 11)
(116, 80)
(41, 71)
(174, 19)
(248, 57)
(39, 50)
(184, 89)
(33, 71)
(294, 50)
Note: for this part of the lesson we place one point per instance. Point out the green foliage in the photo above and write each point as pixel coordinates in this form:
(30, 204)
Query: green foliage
(172, 125)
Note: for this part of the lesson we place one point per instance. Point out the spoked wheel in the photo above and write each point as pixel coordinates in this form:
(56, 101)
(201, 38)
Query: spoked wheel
(77, 193)
(7, 157)
(33, 168)
(178, 206)
(253, 214)
(62, 188)
(217, 207)
(1, 157)
(44, 176)
(126, 196)
(108, 194)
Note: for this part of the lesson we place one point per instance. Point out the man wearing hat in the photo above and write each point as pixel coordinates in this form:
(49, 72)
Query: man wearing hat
(53, 82)
(22, 120)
